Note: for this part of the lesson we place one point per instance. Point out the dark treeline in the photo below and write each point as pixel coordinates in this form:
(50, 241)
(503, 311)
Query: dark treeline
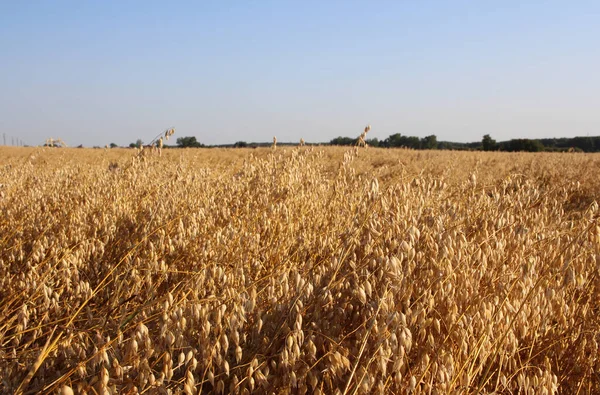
(395, 140)
(578, 144)
(581, 144)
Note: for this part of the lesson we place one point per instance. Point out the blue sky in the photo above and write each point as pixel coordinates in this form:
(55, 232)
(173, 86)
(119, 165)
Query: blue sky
(114, 71)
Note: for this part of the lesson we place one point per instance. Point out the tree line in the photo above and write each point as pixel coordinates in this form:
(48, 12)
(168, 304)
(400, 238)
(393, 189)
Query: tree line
(396, 140)
(182, 142)
(487, 143)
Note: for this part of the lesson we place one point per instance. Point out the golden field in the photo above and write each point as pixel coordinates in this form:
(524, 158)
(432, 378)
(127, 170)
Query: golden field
(298, 270)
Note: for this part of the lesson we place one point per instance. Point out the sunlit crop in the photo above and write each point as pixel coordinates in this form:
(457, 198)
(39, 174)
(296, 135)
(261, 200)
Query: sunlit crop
(298, 270)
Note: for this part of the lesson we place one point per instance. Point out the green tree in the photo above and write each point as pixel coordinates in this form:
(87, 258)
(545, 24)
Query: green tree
(585, 143)
(397, 140)
(188, 142)
(394, 140)
(429, 142)
(113, 145)
(137, 144)
(374, 142)
(343, 141)
(488, 143)
(527, 145)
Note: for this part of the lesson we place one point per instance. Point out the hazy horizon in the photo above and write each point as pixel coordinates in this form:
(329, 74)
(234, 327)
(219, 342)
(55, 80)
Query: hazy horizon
(104, 72)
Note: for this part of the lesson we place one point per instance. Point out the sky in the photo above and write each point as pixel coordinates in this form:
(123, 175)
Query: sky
(96, 72)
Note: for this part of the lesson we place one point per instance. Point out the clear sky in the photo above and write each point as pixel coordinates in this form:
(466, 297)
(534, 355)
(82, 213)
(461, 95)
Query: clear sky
(96, 72)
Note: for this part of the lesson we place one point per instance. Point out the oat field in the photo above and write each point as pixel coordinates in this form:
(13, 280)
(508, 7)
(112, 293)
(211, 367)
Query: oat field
(313, 270)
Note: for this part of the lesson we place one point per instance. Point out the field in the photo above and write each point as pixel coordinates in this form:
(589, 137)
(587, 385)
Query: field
(298, 270)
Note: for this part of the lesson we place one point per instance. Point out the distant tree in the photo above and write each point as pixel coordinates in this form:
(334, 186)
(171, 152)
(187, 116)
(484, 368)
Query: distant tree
(527, 145)
(188, 142)
(585, 143)
(374, 142)
(429, 142)
(444, 145)
(343, 141)
(113, 145)
(394, 140)
(397, 140)
(488, 143)
(413, 142)
(132, 145)
(240, 144)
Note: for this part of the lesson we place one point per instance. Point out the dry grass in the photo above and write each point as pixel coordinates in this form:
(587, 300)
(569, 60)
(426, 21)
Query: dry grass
(298, 270)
